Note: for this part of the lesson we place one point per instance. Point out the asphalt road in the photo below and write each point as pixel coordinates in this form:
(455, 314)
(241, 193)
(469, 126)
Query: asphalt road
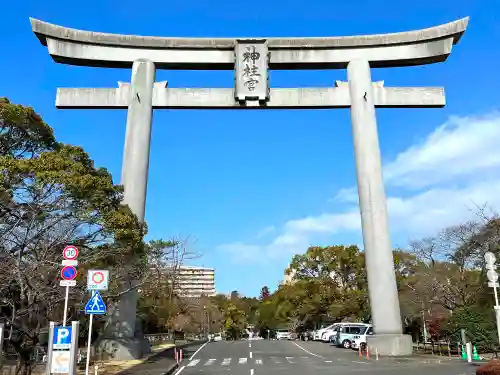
(306, 358)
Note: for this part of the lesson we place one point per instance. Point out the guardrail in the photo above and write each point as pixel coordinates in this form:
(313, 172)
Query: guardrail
(159, 338)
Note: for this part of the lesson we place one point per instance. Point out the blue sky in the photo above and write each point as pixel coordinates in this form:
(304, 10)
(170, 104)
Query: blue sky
(253, 188)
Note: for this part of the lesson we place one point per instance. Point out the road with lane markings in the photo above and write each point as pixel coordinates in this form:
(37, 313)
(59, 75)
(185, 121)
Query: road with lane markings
(298, 358)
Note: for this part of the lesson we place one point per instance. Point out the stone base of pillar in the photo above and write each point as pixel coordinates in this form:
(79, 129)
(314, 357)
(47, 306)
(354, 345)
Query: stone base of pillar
(122, 349)
(392, 345)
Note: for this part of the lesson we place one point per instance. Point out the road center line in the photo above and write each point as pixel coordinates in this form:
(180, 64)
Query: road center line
(180, 370)
(196, 352)
(307, 351)
(249, 344)
(250, 355)
(251, 371)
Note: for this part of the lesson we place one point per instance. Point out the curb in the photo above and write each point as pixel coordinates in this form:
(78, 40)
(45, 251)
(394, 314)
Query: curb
(171, 370)
(175, 366)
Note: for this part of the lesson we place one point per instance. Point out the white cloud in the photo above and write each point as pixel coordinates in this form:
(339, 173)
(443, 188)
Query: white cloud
(266, 231)
(463, 147)
(454, 169)
(348, 195)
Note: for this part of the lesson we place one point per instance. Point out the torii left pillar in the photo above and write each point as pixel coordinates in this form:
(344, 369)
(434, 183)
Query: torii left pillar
(123, 335)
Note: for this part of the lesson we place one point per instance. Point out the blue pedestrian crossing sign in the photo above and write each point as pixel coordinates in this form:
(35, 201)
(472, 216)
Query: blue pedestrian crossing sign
(62, 338)
(95, 305)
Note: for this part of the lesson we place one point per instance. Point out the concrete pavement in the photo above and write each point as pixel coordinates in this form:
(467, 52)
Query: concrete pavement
(298, 358)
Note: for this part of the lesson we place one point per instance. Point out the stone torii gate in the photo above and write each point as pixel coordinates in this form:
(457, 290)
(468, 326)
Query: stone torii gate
(251, 59)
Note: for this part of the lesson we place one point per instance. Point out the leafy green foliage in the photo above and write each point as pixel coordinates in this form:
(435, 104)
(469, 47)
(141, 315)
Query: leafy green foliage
(23, 134)
(52, 195)
(479, 325)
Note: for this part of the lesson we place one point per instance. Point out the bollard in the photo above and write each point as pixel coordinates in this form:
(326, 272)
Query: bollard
(175, 355)
(360, 351)
(95, 369)
(376, 354)
(468, 350)
(180, 355)
(367, 352)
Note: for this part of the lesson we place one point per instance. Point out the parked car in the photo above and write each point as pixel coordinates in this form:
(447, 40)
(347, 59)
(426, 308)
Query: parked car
(306, 335)
(331, 332)
(319, 333)
(360, 340)
(282, 334)
(217, 337)
(347, 333)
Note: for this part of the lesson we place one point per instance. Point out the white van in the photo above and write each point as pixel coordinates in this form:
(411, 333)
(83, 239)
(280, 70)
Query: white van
(319, 333)
(349, 332)
(360, 340)
(217, 337)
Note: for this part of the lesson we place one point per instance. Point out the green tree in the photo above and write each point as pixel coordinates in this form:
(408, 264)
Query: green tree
(337, 280)
(479, 325)
(52, 195)
(235, 322)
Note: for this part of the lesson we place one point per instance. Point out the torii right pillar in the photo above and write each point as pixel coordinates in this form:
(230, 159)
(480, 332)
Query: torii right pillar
(388, 338)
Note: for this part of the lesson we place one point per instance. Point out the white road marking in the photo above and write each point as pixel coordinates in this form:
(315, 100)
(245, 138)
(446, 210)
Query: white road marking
(250, 355)
(328, 361)
(289, 359)
(210, 362)
(249, 344)
(201, 347)
(275, 360)
(258, 361)
(307, 351)
(194, 362)
(251, 371)
(242, 361)
(226, 361)
(364, 363)
(180, 370)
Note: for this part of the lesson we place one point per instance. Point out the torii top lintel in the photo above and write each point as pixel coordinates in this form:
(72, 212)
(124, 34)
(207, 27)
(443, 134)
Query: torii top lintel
(417, 47)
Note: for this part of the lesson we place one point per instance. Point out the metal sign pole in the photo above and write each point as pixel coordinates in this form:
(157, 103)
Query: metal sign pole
(73, 357)
(49, 348)
(2, 331)
(87, 364)
(65, 316)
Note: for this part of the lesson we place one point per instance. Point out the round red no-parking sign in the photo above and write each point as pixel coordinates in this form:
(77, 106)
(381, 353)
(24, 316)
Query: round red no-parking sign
(69, 273)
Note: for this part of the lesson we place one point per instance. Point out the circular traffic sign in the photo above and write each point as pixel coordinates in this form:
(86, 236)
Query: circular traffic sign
(70, 252)
(98, 277)
(492, 276)
(489, 257)
(69, 273)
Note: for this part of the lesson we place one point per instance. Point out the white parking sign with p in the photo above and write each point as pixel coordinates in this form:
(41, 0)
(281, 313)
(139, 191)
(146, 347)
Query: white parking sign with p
(62, 338)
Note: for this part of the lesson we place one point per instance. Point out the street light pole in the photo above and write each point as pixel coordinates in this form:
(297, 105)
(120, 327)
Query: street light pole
(492, 276)
(208, 321)
(203, 320)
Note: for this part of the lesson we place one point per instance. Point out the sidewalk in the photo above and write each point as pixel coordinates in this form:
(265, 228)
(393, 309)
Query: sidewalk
(160, 361)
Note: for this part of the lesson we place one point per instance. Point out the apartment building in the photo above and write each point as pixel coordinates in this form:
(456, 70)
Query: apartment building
(195, 281)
